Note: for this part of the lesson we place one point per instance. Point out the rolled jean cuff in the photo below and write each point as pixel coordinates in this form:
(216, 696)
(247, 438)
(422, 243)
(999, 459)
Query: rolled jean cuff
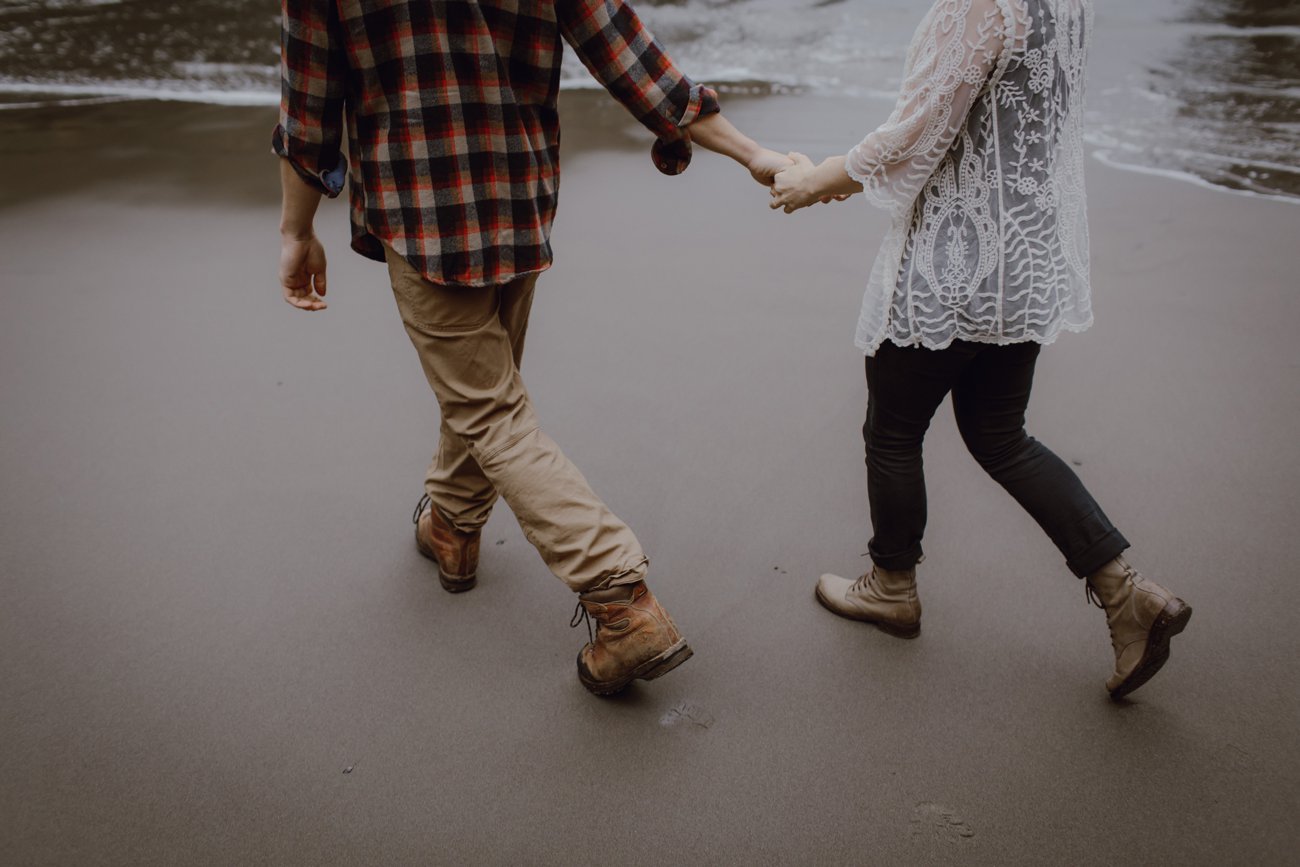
(1098, 554)
(899, 562)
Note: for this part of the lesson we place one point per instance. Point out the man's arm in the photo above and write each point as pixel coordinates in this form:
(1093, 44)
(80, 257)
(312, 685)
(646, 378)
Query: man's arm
(717, 134)
(624, 56)
(313, 73)
(302, 258)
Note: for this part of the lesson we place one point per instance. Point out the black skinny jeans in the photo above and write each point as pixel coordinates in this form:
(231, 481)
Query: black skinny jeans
(990, 388)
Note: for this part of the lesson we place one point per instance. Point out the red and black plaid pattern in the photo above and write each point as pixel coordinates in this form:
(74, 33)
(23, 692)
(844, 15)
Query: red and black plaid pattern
(450, 108)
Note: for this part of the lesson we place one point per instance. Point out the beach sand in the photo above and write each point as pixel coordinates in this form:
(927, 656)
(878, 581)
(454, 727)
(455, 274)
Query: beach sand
(218, 643)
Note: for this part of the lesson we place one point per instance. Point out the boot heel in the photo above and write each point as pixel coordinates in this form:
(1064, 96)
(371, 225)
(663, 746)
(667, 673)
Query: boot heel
(1171, 621)
(674, 658)
(913, 631)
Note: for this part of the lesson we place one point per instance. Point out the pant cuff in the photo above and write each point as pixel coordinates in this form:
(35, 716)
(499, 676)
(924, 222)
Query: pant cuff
(475, 526)
(622, 577)
(1098, 554)
(899, 562)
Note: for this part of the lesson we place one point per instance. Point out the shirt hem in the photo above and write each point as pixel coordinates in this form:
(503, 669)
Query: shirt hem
(870, 347)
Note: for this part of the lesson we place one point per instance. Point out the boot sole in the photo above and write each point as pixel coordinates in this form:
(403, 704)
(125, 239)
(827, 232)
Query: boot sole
(649, 670)
(451, 585)
(895, 630)
(1171, 621)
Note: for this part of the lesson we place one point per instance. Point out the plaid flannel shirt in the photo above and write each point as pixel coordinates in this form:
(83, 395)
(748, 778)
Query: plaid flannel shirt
(450, 107)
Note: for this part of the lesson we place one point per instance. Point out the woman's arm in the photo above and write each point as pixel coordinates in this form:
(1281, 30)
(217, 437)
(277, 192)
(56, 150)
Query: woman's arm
(805, 184)
(951, 58)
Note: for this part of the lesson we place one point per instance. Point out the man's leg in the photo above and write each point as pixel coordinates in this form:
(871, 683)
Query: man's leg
(469, 359)
(455, 482)
(470, 342)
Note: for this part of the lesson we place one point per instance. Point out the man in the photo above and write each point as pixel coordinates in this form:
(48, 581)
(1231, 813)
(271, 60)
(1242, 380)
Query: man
(450, 108)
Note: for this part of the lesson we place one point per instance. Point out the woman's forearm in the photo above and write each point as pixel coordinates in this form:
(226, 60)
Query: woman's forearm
(830, 178)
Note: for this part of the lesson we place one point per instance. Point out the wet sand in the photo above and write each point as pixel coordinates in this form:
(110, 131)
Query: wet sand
(218, 644)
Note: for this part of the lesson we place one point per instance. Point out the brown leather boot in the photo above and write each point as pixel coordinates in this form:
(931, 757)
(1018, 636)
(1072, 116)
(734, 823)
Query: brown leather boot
(1142, 617)
(634, 638)
(885, 598)
(455, 553)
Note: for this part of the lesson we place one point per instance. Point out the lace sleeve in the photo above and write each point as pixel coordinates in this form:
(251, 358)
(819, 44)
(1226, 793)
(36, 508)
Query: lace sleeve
(950, 60)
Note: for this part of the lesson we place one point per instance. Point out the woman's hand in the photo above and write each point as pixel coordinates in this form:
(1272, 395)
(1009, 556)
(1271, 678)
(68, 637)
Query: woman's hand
(793, 188)
(805, 184)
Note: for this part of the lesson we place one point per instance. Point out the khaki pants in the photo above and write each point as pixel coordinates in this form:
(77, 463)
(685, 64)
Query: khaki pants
(470, 341)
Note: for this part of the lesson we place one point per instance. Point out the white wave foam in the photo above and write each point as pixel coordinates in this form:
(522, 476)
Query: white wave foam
(47, 5)
(165, 91)
(1107, 158)
(1227, 30)
(61, 103)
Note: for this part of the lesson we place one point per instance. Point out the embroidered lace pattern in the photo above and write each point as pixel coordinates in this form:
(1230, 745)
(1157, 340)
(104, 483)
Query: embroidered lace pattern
(981, 166)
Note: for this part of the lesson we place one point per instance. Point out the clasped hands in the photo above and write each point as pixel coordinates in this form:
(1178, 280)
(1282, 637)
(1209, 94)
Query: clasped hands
(796, 182)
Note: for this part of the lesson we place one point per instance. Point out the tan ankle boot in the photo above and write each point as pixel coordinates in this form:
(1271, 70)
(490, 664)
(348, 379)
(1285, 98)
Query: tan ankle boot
(634, 638)
(455, 553)
(1142, 617)
(883, 597)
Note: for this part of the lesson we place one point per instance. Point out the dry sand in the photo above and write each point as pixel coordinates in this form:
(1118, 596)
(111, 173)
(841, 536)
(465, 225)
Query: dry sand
(219, 646)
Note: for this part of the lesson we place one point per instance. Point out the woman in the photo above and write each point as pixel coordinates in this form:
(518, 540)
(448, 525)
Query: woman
(981, 165)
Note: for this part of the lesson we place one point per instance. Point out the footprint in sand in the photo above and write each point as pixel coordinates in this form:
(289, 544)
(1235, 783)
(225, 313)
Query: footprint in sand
(939, 822)
(686, 715)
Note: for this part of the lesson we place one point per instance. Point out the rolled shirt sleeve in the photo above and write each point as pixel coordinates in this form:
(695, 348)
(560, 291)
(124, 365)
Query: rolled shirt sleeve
(624, 56)
(313, 82)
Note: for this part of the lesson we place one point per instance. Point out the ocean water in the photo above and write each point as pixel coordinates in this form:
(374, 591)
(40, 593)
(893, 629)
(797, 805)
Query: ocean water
(1205, 90)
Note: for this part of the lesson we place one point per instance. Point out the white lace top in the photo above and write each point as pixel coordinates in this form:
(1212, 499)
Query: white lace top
(981, 164)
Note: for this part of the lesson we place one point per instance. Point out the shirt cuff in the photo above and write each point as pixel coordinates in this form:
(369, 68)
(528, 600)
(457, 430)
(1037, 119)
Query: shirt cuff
(326, 181)
(870, 183)
(672, 155)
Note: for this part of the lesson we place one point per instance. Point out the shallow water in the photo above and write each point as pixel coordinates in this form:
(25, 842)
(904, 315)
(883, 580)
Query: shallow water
(1204, 89)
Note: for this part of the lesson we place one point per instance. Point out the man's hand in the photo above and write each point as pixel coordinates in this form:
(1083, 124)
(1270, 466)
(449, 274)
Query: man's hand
(765, 164)
(715, 133)
(302, 272)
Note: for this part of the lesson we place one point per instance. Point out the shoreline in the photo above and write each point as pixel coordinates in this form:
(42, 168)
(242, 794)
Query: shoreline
(142, 99)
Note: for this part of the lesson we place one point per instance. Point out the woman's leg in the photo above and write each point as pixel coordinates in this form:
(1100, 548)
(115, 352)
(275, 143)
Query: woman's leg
(989, 400)
(904, 388)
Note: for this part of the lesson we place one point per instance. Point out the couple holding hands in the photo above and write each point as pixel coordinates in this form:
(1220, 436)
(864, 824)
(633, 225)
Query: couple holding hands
(449, 107)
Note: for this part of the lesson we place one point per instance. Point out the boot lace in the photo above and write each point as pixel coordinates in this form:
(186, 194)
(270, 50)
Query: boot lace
(419, 508)
(1091, 595)
(579, 615)
(863, 581)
